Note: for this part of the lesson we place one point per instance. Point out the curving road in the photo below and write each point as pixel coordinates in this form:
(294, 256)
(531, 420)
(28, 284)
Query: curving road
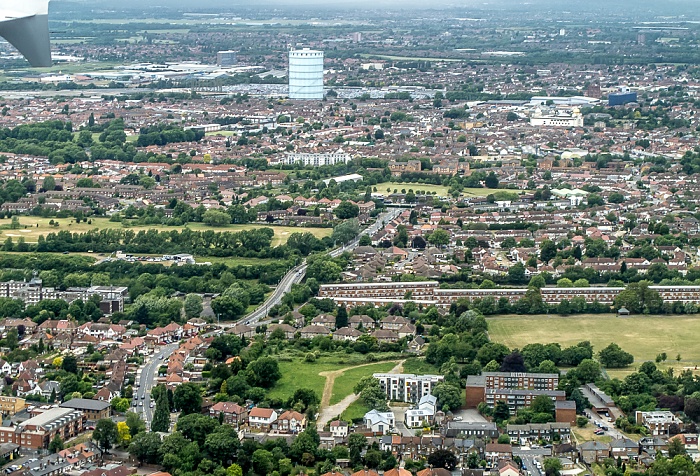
(296, 274)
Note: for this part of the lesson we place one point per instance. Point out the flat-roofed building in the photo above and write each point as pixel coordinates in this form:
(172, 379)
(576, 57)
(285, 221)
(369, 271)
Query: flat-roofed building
(38, 431)
(407, 388)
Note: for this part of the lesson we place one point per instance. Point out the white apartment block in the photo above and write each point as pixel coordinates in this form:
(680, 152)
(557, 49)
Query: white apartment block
(316, 159)
(407, 388)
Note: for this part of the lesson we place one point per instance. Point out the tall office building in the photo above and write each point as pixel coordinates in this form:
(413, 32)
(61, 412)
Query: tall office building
(305, 74)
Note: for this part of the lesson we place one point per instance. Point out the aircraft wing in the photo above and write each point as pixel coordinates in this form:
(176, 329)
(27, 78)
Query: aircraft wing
(25, 24)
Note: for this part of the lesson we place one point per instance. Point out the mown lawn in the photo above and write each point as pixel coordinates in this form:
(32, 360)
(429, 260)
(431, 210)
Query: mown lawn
(299, 374)
(643, 336)
(33, 227)
(355, 411)
(345, 383)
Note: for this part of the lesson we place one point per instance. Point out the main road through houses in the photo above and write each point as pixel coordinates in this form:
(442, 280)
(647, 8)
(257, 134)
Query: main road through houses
(146, 380)
(296, 274)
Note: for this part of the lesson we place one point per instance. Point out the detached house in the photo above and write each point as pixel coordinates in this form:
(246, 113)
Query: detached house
(233, 413)
(262, 418)
(291, 422)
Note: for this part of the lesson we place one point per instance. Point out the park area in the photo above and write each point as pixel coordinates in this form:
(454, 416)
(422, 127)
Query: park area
(332, 379)
(30, 228)
(643, 336)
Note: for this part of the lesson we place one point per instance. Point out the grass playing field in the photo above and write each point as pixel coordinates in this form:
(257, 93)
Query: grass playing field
(33, 227)
(643, 336)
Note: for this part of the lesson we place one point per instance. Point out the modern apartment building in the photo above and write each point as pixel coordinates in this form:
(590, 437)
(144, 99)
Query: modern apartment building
(517, 389)
(38, 431)
(407, 388)
(33, 291)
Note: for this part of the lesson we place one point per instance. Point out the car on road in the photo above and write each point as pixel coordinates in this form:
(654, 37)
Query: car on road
(599, 432)
(143, 396)
(457, 418)
(140, 404)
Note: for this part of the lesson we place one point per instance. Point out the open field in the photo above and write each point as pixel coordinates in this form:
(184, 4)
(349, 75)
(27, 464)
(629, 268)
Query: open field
(642, 336)
(345, 382)
(299, 374)
(296, 374)
(33, 227)
(440, 190)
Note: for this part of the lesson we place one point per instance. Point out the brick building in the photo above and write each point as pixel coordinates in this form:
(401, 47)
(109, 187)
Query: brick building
(38, 431)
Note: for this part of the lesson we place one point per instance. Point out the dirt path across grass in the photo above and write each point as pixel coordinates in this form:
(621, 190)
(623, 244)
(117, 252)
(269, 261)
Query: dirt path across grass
(330, 411)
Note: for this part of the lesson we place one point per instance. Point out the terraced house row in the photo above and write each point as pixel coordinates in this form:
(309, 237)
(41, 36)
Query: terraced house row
(429, 293)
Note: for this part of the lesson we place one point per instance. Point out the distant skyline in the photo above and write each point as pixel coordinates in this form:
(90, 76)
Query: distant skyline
(636, 7)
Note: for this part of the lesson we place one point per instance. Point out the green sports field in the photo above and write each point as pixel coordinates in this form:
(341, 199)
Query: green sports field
(33, 227)
(643, 336)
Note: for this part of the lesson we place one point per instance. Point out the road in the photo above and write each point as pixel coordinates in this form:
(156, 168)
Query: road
(529, 463)
(146, 380)
(602, 422)
(296, 274)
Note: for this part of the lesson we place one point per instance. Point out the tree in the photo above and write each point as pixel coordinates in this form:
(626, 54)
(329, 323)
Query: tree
(120, 405)
(449, 396)
(365, 240)
(105, 434)
(588, 371)
(161, 416)
(552, 466)
(356, 443)
(263, 372)
(676, 448)
(341, 319)
(614, 357)
(70, 364)
(347, 210)
(135, 424)
(516, 274)
(542, 404)
(56, 444)
(213, 217)
(638, 298)
(537, 282)
(145, 447)
(123, 434)
(370, 393)
(501, 412)
(262, 461)
(193, 305)
(346, 231)
(548, 250)
(513, 362)
(491, 180)
(49, 184)
(222, 445)
(188, 398)
(439, 237)
(443, 459)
